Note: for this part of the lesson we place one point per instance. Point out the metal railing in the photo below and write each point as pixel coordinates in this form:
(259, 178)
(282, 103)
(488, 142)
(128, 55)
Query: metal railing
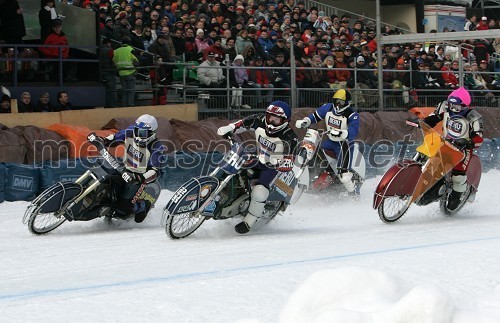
(23, 61)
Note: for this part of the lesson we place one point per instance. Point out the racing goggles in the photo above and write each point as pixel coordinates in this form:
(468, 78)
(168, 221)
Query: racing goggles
(456, 107)
(339, 102)
(142, 133)
(274, 120)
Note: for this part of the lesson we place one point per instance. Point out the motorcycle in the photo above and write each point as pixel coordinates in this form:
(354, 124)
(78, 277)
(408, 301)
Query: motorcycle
(91, 192)
(424, 179)
(225, 192)
(324, 178)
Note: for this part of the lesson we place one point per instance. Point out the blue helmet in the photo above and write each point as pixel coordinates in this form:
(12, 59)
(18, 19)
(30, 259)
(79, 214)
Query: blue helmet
(278, 114)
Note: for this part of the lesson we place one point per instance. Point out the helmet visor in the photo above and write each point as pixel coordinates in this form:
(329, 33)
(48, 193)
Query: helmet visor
(142, 133)
(455, 107)
(339, 102)
(274, 120)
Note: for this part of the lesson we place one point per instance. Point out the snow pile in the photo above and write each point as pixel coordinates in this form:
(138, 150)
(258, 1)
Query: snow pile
(360, 295)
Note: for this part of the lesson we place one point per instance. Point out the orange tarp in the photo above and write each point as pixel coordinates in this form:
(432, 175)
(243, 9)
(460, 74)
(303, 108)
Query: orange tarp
(422, 112)
(77, 137)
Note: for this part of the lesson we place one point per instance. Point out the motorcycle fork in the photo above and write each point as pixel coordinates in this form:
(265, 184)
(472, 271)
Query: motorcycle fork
(93, 185)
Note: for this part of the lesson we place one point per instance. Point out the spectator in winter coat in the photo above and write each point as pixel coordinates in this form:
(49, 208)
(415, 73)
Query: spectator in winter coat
(63, 103)
(44, 104)
(211, 75)
(12, 26)
(483, 24)
(242, 41)
(450, 80)
(24, 105)
(266, 43)
(57, 37)
(107, 30)
(122, 28)
(5, 104)
(470, 25)
(238, 79)
(262, 79)
(230, 49)
(201, 42)
(341, 76)
(280, 48)
(45, 17)
(215, 48)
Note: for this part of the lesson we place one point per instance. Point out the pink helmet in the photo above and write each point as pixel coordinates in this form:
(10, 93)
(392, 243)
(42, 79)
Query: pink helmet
(459, 100)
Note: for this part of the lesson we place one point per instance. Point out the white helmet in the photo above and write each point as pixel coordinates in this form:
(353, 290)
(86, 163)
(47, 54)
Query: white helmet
(145, 130)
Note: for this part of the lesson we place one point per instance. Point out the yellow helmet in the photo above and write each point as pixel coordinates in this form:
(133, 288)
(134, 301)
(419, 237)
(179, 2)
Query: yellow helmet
(341, 100)
(340, 94)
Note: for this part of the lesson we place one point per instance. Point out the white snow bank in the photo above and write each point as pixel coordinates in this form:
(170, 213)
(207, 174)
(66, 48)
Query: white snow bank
(361, 295)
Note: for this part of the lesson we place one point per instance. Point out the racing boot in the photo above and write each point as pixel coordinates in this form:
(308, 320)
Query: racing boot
(141, 209)
(255, 209)
(454, 200)
(459, 186)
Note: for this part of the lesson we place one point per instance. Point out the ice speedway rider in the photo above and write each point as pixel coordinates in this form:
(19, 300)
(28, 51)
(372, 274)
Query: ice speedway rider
(275, 141)
(342, 124)
(463, 127)
(143, 156)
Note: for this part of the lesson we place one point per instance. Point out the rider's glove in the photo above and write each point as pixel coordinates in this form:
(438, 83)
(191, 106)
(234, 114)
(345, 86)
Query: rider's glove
(224, 130)
(463, 143)
(414, 122)
(93, 137)
(303, 123)
(338, 134)
(133, 177)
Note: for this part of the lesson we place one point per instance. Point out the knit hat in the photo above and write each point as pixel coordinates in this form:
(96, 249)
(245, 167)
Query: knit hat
(239, 57)
(360, 59)
(121, 15)
(5, 97)
(200, 31)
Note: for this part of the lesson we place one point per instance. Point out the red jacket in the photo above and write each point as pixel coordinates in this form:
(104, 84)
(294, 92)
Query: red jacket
(449, 77)
(55, 39)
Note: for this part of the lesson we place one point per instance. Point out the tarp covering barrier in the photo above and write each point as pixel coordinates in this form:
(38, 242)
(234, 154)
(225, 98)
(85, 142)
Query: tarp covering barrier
(50, 155)
(22, 182)
(2, 182)
(77, 138)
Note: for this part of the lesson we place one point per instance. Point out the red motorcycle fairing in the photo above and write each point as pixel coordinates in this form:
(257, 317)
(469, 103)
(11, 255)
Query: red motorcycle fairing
(400, 179)
(474, 171)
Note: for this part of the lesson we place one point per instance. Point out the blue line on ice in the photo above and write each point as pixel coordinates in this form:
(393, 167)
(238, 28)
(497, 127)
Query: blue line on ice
(56, 291)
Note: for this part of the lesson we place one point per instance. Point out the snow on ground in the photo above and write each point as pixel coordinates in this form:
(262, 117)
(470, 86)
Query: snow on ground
(321, 261)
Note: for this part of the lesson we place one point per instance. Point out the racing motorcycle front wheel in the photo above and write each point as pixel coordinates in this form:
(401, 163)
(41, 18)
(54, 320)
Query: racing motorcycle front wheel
(183, 224)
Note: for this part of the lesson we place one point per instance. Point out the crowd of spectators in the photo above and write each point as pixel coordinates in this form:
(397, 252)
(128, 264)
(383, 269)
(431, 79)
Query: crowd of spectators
(335, 51)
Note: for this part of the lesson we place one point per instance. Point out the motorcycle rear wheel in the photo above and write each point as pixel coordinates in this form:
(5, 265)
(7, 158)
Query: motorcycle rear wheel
(463, 199)
(182, 225)
(271, 210)
(392, 208)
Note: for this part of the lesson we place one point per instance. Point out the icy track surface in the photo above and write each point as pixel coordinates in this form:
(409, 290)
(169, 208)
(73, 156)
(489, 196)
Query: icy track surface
(321, 261)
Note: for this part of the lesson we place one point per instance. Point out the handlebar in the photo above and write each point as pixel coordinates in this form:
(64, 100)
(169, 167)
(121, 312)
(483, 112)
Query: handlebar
(111, 160)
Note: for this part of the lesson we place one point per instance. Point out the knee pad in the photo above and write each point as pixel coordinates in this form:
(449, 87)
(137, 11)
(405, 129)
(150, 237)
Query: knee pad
(260, 193)
(258, 200)
(459, 183)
